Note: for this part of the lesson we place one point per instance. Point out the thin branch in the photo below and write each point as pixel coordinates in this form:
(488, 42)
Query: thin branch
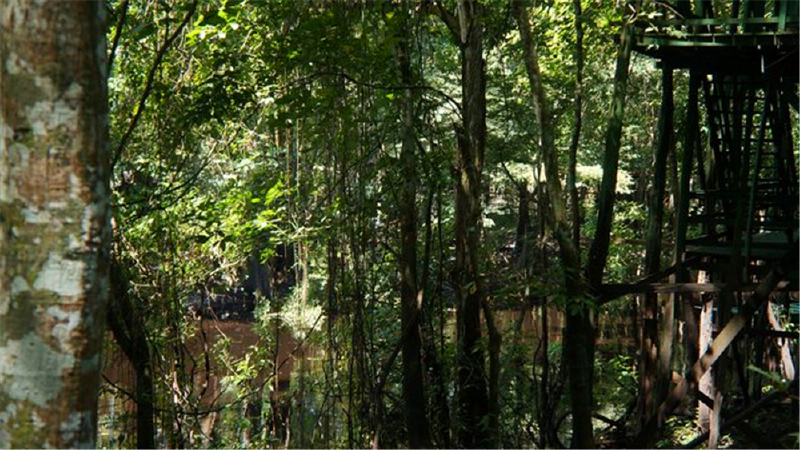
(436, 91)
(119, 388)
(611, 422)
(149, 83)
(123, 14)
(186, 183)
(450, 21)
(511, 178)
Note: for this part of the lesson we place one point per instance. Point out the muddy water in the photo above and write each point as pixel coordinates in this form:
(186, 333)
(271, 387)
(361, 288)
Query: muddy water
(199, 385)
(204, 388)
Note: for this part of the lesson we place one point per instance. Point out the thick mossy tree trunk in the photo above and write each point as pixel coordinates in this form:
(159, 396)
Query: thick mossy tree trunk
(54, 221)
(410, 295)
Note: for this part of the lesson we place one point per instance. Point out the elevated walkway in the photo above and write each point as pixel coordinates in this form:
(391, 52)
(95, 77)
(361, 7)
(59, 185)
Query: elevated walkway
(739, 199)
(739, 37)
(736, 236)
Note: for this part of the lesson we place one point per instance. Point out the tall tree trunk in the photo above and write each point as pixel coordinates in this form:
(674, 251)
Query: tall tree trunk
(332, 361)
(54, 232)
(650, 370)
(598, 252)
(579, 335)
(129, 333)
(472, 395)
(495, 343)
(579, 339)
(576, 129)
(435, 357)
(410, 295)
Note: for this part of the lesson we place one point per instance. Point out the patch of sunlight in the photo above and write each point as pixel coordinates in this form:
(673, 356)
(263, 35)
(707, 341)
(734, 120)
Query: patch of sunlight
(299, 314)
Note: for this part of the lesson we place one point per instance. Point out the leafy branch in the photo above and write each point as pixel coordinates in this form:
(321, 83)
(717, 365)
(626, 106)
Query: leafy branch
(149, 83)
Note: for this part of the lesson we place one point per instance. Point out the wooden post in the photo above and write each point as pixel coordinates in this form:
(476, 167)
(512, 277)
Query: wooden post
(656, 213)
(706, 383)
(713, 432)
(689, 141)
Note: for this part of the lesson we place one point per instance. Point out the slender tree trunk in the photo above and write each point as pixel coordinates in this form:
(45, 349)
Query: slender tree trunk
(435, 355)
(332, 360)
(545, 418)
(439, 423)
(576, 130)
(495, 343)
(522, 245)
(579, 335)
(411, 298)
(472, 395)
(54, 232)
(598, 253)
(650, 372)
(129, 332)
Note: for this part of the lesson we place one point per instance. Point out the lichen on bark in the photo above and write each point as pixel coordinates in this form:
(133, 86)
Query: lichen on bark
(54, 221)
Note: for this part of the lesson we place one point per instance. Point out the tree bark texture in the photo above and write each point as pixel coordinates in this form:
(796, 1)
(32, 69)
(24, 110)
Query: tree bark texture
(413, 385)
(472, 394)
(54, 221)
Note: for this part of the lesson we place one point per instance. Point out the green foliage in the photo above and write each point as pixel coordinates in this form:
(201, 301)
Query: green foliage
(775, 382)
(276, 125)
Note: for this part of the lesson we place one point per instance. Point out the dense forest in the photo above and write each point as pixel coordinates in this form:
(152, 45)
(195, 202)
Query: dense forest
(393, 223)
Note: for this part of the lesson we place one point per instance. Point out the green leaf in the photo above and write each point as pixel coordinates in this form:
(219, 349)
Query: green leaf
(274, 192)
(390, 96)
(772, 376)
